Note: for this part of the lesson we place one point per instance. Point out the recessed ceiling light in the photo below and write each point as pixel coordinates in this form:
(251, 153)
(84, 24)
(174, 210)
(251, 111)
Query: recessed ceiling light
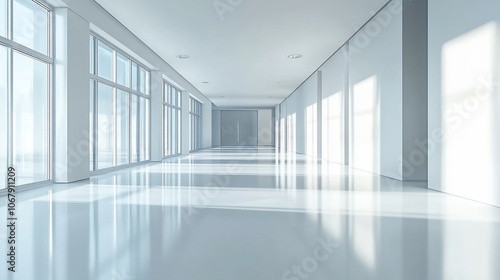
(183, 56)
(206, 82)
(295, 56)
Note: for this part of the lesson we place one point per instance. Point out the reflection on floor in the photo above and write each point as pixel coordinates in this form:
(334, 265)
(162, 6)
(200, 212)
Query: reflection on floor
(237, 214)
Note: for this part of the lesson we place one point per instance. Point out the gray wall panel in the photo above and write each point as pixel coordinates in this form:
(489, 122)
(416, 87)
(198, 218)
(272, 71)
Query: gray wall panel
(239, 127)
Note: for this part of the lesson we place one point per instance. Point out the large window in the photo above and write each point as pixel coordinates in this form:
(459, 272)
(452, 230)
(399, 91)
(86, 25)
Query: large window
(195, 124)
(25, 67)
(172, 99)
(119, 108)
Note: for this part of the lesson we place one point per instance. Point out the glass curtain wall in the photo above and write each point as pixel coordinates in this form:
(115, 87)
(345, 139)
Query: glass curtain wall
(25, 90)
(119, 108)
(195, 113)
(172, 98)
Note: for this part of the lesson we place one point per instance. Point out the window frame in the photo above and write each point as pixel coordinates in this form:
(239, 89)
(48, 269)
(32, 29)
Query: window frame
(134, 156)
(195, 124)
(13, 47)
(171, 107)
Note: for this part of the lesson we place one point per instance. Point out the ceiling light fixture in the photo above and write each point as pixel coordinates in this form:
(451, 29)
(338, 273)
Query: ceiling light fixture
(295, 56)
(183, 56)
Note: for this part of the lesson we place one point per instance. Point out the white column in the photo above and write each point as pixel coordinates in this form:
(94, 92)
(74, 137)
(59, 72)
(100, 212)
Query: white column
(319, 115)
(206, 122)
(71, 97)
(185, 137)
(156, 116)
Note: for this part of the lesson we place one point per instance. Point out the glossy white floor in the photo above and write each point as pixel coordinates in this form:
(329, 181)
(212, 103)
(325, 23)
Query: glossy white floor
(250, 214)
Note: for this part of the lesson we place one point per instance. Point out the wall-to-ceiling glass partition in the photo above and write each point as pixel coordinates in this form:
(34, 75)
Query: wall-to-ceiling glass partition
(119, 108)
(25, 67)
(195, 113)
(172, 98)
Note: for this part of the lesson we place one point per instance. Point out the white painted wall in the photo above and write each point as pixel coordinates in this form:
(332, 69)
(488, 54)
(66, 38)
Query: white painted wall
(265, 131)
(334, 93)
(206, 132)
(375, 82)
(363, 96)
(464, 105)
(308, 107)
(71, 102)
(215, 126)
(301, 108)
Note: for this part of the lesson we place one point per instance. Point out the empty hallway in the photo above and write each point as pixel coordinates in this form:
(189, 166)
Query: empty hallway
(252, 213)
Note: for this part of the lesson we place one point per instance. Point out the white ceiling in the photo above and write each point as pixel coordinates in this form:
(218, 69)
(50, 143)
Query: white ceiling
(242, 51)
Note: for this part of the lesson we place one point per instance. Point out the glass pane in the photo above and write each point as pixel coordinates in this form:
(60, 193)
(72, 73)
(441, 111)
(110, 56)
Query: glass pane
(165, 92)
(105, 125)
(170, 129)
(104, 61)
(143, 80)
(170, 89)
(30, 25)
(122, 70)
(3, 20)
(91, 127)
(92, 55)
(123, 125)
(169, 139)
(169, 96)
(3, 115)
(134, 108)
(165, 130)
(135, 83)
(30, 96)
(174, 131)
(179, 147)
(144, 129)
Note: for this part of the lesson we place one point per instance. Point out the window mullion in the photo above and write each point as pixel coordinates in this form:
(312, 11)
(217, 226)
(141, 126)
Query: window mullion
(10, 107)
(115, 127)
(95, 135)
(10, 19)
